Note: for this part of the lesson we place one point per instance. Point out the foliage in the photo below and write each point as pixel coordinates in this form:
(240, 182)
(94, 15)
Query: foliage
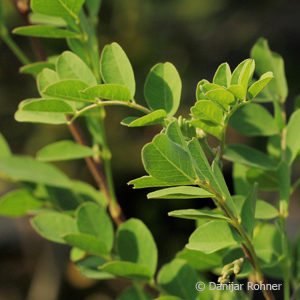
(79, 84)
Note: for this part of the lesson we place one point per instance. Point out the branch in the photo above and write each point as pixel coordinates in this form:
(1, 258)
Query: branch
(97, 170)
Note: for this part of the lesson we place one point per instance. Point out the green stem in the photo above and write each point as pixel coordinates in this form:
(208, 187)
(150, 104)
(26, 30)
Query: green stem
(111, 103)
(13, 46)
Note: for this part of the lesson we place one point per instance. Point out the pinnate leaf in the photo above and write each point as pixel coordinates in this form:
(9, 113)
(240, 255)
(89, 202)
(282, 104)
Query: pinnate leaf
(115, 67)
(64, 150)
(257, 86)
(52, 226)
(45, 31)
(135, 244)
(156, 117)
(223, 75)
(180, 192)
(17, 203)
(196, 214)
(163, 88)
(37, 67)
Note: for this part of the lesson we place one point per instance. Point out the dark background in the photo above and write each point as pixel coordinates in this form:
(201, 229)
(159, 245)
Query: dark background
(195, 35)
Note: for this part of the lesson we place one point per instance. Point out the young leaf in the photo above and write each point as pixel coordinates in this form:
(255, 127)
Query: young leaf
(223, 75)
(87, 242)
(64, 150)
(58, 8)
(17, 203)
(68, 90)
(45, 78)
(199, 92)
(45, 31)
(148, 181)
(266, 60)
(40, 117)
(135, 293)
(257, 86)
(115, 67)
(215, 130)
(213, 236)
(175, 165)
(208, 112)
(92, 219)
(178, 279)
(163, 88)
(252, 120)
(156, 117)
(180, 192)
(136, 244)
(46, 105)
(52, 226)
(108, 92)
(292, 137)
(249, 157)
(17, 168)
(222, 97)
(195, 214)
(70, 66)
(246, 75)
(35, 68)
(89, 267)
(265, 211)
(4, 148)
(127, 270)
(237, 90)
(199, 260)
(248, 210)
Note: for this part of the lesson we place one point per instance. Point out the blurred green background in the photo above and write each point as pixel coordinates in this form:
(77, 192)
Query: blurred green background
(195, 35)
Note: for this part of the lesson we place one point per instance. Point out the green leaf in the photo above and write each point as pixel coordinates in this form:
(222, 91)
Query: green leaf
(249, 157)
(148, 181)
(248, 210)
(4, 147)
(195, 214)
(208, 112)
(214, 130)
(153, 118)
(180, 192)
(36, 18)
(35, 68)
(178, 278)
(246, 75)
(40, 117)
(87, 242)
(292, 137)
(135, 293)
(199, 92)
(213, 236)
(89, 267)
(267, 180)
(163, 88)
(257, 86)
(24, 168)
(174, 133)
(45, 78)
(70, 66)
(45, 31)
(135, 244)
(108, 92)
(284, 180)
(199, 260)
(68, 90)
(168, 298)
(52, 226)
(92, 219)
(175, 165)
(58, 8)
(223, 75)
(46, 105)
(127, 270)
(115, 67)
(17, 203)
(237, 90)
(240, 182)
(266, 61)
(265, 211)
(222, 97)
(64, 150)
(254, 120)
